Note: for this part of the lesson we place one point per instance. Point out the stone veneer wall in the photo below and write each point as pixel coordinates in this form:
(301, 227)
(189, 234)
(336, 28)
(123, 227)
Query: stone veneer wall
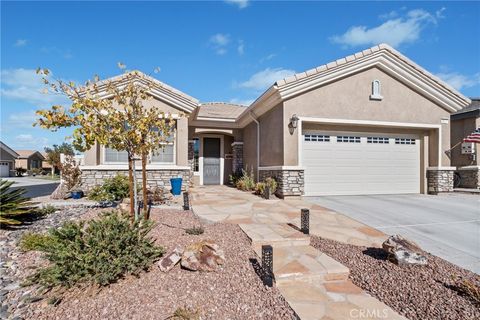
(290, 182)
(439, 180)
(155, 178)
(469, 177)
(237, 161)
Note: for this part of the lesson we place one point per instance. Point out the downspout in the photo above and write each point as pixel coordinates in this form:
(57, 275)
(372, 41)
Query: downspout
(258, 141)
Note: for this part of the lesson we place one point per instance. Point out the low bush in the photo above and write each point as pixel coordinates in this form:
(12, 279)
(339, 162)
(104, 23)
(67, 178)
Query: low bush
(261, 186)
(35, 241)
(112, 189)
(194, 231)
(98, 252)
(246, 182)
(19, 172)
(48, 209)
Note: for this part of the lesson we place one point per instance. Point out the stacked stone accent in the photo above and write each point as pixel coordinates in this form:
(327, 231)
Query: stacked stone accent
(469, 177)
(155, 178)
(237, 161)
(439, 180)
(290, 182)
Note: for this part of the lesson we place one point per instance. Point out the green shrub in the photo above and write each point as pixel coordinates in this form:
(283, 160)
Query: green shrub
(48, 209)
(35, 241)
(246, 182)
(99, 252)
(260, 188)
(13, 205)
(195, 231)
(19, 172)
(272, 184)
(115, 188)
(233, 178)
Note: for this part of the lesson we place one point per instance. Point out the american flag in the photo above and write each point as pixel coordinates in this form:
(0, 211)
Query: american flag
(473, 137)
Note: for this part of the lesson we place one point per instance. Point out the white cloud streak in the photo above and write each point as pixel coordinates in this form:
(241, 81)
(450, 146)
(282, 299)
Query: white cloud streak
(20, 43)
(265, 78)
(460, 81)
(219, 43)
(395, 31)
(241, 4)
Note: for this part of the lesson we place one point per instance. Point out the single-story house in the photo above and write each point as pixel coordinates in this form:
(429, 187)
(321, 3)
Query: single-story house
(464, 156)
(371, 123)
(29, 159)
(7, 160)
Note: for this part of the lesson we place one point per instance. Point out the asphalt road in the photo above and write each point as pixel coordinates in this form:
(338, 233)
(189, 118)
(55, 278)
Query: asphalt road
(35, 187)
(445, 225)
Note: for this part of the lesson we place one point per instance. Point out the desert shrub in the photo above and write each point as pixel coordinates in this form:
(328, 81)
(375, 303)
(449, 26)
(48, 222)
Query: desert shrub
(194, 231)
(467, 288)
(13, 205)
(184, 313)
(35, 172)
(260, 188)
(246, 182)
(35, 241)
(157, 195)
(98, 252)
(233, 178)
(272, 184)
(48, 209)
(115, 188)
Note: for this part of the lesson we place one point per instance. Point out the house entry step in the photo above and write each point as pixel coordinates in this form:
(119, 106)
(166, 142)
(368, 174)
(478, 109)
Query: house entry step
(276, 235)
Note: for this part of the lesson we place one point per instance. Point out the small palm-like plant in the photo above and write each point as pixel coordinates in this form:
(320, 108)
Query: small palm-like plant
(13, 205)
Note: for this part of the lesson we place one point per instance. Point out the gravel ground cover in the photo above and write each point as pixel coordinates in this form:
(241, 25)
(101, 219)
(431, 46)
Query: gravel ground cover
(417, 292)
(234, 291)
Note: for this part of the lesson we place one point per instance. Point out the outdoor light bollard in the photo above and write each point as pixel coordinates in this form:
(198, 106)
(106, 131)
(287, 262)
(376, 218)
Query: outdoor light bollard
(266, 192)
(305, 221)
(186, 201)
(267, 265)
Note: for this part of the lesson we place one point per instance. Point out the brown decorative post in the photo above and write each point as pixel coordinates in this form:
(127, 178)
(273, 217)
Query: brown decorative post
(305, 221)
(267, 265)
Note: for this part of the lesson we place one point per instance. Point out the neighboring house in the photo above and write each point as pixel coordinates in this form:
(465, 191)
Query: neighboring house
(371, 123)
(45, 164)
(29, 159)
(7, 160)
(463, 123)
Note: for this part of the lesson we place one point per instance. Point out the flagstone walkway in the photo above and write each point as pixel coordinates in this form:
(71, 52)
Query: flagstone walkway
(315, 285)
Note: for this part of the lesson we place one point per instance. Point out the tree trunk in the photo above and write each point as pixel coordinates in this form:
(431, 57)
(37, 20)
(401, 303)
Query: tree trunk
(130, 181)
(144, 186)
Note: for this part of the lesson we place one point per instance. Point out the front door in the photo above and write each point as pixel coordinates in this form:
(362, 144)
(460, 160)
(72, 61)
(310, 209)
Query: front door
(211, 160)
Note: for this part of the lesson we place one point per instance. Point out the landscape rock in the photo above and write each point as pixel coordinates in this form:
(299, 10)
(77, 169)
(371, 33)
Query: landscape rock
(205, 255)
(60, 192)
(402, 251)
(168, 262)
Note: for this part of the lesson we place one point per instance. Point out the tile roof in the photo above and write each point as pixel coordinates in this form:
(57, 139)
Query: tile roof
(474, 106)
(24, 154)
(220, 110)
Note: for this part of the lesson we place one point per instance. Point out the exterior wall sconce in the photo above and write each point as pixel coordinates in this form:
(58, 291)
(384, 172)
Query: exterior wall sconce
(292, 125)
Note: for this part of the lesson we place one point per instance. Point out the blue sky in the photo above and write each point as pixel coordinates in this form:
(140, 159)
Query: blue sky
(217, 50)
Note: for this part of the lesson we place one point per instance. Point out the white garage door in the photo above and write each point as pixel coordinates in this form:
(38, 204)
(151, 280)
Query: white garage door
(4, 169)
(351, 163)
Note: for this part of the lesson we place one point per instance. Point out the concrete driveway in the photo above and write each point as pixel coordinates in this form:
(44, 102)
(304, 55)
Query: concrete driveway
(36, 187)
(446, 225)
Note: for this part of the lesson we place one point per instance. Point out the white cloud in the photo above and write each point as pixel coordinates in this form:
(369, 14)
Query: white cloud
(29, 141)
(268, 57)
(265, 78)
(25, 85)
(460, 81)
(241, 47)
(20, 43)
(243, 102)
(22, 119)
(395, 31)
(241, 4)
(219, 42)
(66, 54)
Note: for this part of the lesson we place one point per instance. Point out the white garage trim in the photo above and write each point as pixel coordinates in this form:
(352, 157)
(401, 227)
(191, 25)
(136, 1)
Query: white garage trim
(368, 123)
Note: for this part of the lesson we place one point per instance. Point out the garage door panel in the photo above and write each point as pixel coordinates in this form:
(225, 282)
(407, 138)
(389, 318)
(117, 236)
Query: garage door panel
(336, 168)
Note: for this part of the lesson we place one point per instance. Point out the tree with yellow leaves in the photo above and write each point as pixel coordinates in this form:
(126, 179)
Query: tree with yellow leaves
(113, 114)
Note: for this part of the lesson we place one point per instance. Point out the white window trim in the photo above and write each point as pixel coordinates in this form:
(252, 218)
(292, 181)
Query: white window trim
(174, 154)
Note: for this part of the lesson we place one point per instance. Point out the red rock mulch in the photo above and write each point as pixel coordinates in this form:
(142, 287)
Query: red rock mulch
(417, 292)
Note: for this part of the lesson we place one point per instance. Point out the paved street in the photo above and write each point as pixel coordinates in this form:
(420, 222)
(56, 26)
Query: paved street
(35, 187)
(446, 225)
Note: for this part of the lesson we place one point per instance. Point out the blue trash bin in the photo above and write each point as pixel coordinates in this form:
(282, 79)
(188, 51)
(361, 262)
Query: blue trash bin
(176, 184)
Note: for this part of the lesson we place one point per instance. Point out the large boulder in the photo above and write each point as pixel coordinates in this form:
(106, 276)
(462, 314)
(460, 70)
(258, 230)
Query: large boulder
(402, 251)
(205, 255)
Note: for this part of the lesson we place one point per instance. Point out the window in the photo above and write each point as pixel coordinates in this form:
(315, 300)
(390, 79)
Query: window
(196, 150)
(349, 139)
(114, 156)
(165, 153)
(316, 137)
(380, 140)
(404, 141)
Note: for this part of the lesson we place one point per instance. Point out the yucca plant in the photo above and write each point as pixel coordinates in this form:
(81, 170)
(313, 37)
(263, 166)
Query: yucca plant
(13, 205)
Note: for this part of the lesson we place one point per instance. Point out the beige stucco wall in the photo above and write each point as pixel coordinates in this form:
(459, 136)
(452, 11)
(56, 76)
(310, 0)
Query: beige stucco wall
(271, 134)
(349, 99)
(460, 129)
(250, 148)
